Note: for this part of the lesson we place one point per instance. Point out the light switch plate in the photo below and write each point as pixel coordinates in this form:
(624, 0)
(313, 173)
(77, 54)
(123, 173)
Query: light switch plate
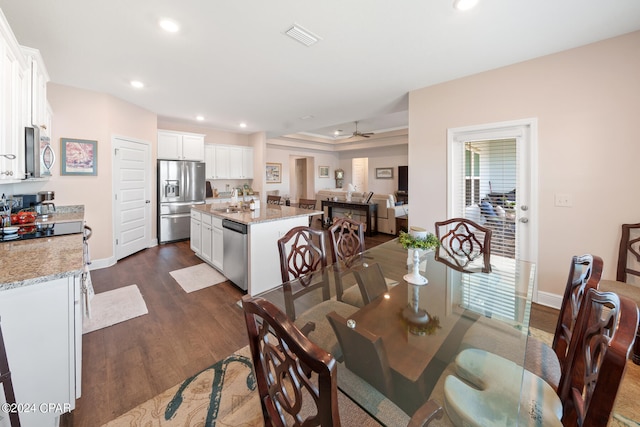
(563, 200)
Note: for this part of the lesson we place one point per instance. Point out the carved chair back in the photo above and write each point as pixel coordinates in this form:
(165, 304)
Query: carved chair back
(347, 241)
(274, 200)
(296, 378)
(307, 204)
(462, 242)
(629, 254)
(303, 257)
(602, 340)
(584, 274)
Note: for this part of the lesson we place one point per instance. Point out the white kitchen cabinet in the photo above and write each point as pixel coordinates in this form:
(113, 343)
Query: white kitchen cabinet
(210, 161)
(206, 252)
(222, 162)
(247, 162)
(229, 162)
(195, 233)
(217, 243)
(38, 90)
(207, 229)
(180, 146)
(40, 331)
(235, 162)
(14, 103)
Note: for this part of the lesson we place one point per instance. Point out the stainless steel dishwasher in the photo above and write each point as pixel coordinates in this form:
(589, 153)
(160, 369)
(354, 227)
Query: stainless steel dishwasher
(235, 259)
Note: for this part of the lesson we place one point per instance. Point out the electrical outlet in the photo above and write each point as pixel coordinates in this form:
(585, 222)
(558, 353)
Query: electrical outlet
(564, 200)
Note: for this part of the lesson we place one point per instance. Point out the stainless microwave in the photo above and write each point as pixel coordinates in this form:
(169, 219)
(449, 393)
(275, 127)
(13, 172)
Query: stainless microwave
(39, 156)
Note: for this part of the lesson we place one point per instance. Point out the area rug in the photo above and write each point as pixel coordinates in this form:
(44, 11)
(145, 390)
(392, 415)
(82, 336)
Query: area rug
(221, 395)
(625, 410)
(197, 277)
(115, 306)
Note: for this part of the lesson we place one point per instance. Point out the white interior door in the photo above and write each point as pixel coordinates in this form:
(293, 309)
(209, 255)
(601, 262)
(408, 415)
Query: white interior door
(487, 161)
(359, 167)
(132, 196)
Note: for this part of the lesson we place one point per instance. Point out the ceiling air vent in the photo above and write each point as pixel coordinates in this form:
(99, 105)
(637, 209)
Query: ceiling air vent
(305, 37)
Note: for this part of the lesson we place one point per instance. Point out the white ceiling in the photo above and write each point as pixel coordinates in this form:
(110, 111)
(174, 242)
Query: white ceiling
(232, 63)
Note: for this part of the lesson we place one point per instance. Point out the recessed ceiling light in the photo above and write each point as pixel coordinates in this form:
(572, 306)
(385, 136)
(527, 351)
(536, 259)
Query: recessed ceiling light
(243, 125)
(337, 132)
(137, 84)
(464, 4)
(169, 25)
(199, 118)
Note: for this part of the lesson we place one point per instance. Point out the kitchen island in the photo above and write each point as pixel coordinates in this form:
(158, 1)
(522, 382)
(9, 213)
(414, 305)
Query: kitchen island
(263, 228)
(41, 319)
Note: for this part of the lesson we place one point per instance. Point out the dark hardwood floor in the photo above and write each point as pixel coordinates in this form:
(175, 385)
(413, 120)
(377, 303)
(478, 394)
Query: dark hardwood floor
(131, 362)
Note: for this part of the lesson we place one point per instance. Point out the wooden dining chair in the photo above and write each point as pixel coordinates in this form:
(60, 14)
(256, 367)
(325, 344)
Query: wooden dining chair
(365, 355)
(483, 389)
(307, 204)
(549, 362)
(297, 380)
(347, 241)
(627, 281)
(629, 253)
(597, 358)
(305, 277)
(289, 395)
(7, 383)
(274, 200)
(463, 243)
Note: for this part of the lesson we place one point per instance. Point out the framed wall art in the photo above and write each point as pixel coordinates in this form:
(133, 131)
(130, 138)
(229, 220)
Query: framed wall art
(323, 171)
(79, 157)
(384, 173)
(274, 173)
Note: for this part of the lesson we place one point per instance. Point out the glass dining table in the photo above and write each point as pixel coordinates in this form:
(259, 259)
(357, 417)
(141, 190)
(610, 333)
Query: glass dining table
(424, 327)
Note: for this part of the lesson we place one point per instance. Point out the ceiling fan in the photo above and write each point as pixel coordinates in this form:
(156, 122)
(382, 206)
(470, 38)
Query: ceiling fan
(362, 134)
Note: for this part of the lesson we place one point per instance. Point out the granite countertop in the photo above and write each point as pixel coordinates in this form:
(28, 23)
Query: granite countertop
(27, 262)
(264, 214)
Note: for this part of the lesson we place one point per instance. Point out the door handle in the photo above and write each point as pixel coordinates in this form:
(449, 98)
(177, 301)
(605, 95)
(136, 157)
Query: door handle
(524, 220)
(147, 201)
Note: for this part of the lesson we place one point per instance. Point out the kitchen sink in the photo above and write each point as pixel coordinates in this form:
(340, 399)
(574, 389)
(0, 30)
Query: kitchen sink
(228, 210)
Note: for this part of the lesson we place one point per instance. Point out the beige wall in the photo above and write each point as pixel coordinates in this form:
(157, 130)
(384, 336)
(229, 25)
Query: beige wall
(95, 116)
(587, 102)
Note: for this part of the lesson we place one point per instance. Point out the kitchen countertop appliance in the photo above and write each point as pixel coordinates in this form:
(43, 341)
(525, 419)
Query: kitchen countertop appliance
(181, 185)
(235, 258)
(44, 206)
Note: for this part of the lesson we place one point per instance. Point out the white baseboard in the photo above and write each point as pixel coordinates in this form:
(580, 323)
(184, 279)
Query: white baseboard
(97, 264)
(549, 299)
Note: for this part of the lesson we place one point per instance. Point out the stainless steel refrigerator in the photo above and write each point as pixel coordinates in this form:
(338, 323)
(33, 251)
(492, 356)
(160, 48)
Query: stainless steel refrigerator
(181, 185)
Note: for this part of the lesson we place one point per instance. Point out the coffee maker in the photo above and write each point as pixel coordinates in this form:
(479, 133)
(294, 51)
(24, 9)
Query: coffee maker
(44, 206)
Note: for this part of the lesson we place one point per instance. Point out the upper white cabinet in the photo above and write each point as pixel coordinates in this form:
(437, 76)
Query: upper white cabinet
(221, 162)
(229, 162)
(38, 90)
(180, 146)
(14, 103)
(210, 161)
